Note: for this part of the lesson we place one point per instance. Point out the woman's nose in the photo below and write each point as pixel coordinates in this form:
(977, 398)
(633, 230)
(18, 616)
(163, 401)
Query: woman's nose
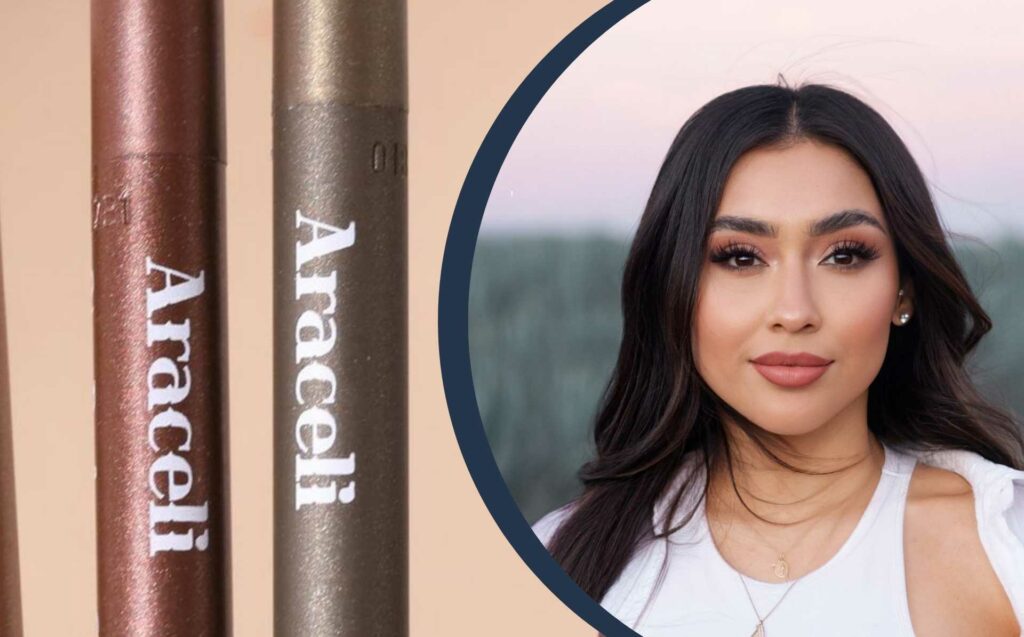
(793, 306)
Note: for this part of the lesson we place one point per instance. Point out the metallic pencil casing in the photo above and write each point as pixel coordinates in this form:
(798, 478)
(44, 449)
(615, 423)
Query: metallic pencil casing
(159, 318)
(10, 586)
(340, 319)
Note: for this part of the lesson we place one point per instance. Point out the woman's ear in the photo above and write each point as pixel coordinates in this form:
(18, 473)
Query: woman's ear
(904, 304)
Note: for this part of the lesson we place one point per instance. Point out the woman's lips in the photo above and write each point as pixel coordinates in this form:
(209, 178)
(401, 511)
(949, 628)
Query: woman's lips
(791, 375)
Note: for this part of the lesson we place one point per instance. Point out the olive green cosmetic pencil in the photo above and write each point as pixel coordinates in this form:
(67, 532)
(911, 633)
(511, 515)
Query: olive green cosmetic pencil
(340, 318)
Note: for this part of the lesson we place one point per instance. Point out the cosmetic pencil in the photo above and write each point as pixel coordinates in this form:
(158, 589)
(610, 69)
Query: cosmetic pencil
(158, 318)
(340, 318)
(10, 587)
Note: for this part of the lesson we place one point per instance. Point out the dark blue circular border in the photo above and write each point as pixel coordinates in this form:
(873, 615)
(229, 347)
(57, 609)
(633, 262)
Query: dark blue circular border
(453, 316)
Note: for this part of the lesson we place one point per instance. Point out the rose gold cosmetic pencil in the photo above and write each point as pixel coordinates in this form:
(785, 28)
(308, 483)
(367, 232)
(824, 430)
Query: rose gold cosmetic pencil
(340, 318)
(158, 310)
(10, 589)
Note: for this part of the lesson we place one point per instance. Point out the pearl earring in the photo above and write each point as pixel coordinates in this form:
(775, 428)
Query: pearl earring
(904, 317)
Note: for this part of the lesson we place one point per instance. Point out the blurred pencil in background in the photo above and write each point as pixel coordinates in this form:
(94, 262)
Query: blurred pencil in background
(10, 586)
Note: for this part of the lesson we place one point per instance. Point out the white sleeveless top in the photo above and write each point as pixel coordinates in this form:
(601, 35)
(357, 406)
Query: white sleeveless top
(860, 591)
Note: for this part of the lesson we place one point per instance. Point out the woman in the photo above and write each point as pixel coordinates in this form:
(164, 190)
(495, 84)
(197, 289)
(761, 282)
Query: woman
(790, 443)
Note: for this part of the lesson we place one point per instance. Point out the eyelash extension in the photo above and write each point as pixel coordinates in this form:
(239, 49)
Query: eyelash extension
(733, 249)
(858, 249)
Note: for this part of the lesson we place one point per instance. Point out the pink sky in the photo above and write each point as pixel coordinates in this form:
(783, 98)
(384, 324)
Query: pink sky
(949, 76)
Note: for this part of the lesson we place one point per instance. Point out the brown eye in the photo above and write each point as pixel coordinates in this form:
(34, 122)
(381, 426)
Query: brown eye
(736, 257)
(851, 254)
(744, 260)
(843, 258)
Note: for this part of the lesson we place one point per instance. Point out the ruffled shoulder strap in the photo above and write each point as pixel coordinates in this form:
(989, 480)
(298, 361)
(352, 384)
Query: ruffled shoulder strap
(999, 509)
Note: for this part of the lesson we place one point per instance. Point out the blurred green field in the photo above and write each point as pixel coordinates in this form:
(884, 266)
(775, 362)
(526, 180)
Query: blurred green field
(544, 329)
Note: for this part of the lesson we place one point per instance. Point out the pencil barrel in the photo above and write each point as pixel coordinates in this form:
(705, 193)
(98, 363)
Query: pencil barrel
(340, 326)
(340, 371)
(161, 408)
(10, 584)
(159, 319)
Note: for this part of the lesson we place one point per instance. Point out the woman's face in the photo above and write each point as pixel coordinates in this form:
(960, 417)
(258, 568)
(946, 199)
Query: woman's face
(799, 261)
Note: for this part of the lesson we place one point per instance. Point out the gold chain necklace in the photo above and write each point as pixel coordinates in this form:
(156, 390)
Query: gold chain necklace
(759, 630)
(780, 567)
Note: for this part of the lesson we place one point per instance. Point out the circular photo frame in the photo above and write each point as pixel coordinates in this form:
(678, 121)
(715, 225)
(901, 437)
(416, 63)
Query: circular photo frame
(513, 181)
(453, 316)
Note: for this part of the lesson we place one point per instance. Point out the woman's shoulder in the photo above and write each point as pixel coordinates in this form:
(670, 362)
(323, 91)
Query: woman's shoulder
(970, 511)
(993, 492)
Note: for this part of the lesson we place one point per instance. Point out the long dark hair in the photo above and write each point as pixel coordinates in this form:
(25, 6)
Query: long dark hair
(656, 408)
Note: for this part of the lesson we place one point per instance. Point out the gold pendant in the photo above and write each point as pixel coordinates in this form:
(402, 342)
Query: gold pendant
(780, 567)
(759, 631)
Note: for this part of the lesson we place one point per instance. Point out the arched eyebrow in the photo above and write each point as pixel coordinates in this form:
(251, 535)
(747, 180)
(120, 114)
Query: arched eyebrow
(827, 225)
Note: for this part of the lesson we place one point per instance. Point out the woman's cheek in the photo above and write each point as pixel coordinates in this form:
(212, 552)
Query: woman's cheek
(725, 321)
(864, 334)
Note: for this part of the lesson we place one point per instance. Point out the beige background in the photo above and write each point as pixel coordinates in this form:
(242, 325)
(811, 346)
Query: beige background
(466, 58)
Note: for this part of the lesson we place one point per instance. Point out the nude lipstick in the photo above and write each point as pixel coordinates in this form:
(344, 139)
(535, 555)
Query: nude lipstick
(158, 315)
(791, 370)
